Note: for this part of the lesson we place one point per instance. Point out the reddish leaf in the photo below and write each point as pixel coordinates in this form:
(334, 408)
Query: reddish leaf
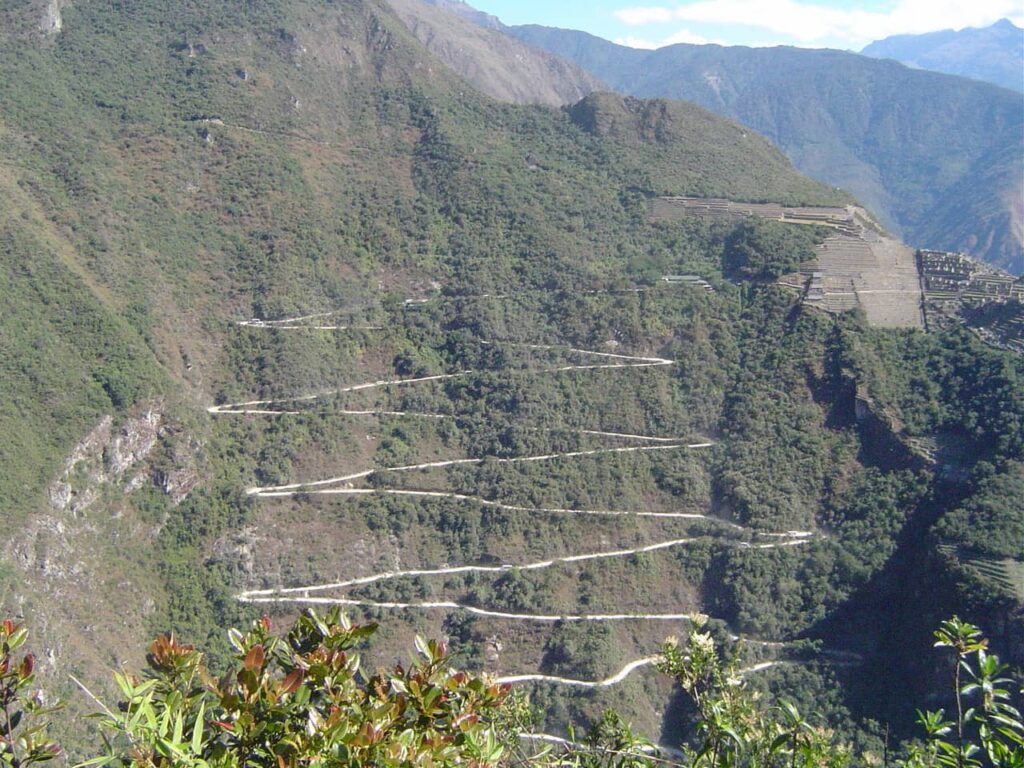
(255, 658)
(292, 681)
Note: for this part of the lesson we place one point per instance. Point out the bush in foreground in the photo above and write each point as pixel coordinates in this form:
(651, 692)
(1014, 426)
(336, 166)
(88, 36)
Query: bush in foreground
(300, 699)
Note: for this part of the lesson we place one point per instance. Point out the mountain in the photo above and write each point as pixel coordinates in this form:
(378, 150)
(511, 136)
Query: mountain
(939, 159)
(994, 54)
(170, 170)
(499, 65)
(291, 314)
(466, 11)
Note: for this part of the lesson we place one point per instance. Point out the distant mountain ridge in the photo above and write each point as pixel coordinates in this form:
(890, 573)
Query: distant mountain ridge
(994, 54)
(939, 158)
(472, 44)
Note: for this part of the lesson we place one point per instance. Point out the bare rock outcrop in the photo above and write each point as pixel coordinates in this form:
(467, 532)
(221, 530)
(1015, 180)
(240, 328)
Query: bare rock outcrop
(500, 66)
(51, 22)
(135, 442)
(84, 472)
(143, 449)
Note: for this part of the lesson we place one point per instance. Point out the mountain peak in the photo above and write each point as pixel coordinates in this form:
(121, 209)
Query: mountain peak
(472, 44)
(468, 12)
(994, 54)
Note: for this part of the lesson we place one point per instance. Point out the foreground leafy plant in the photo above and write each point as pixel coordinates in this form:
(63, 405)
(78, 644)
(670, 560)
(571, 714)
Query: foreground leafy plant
(733, 728)
(988, 729)
(23, 715)
(298, 700)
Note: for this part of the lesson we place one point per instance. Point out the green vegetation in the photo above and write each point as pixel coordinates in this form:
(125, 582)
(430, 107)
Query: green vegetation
(302, 697)
(989, 522)
(177, 168)
(767, 250)
(938, 160)
(23, 713)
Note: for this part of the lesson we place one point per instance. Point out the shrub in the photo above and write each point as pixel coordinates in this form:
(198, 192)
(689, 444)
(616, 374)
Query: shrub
(299, 699)
(23, 713)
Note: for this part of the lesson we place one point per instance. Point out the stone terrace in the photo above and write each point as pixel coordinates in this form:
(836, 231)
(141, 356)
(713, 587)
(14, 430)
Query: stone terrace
(856, 266)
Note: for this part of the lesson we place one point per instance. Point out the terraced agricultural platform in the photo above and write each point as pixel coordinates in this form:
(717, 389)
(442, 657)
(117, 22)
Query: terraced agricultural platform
(857, 266)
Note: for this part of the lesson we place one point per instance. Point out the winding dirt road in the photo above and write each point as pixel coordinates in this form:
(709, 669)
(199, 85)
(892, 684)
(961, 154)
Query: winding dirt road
(344, 486)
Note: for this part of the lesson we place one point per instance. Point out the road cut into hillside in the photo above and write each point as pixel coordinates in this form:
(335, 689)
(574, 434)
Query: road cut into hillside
(264, 407)
(347, 486)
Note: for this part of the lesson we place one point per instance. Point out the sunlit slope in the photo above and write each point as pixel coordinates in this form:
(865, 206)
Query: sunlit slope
(193, 162)
(937, 157)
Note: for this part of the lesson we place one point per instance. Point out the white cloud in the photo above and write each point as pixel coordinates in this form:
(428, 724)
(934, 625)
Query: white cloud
(636, 42)
(637, 17)
(682, 36)
(809, 23)
(686, 36)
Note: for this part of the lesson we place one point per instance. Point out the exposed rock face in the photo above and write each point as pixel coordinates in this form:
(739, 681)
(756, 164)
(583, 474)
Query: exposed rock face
(179, 476)
(179, 483)
(134, 443)
(494, 63)
(84, 472)
(52, 22)
(459, 8)
(105, 457)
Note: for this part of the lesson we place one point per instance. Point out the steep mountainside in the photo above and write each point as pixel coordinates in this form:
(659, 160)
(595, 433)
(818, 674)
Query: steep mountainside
(466, 11)
(994, 54)
(499, 65)
(291, 315)
(939, 158)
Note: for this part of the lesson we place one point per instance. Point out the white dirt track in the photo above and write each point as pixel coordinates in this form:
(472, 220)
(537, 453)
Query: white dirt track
(343, 486)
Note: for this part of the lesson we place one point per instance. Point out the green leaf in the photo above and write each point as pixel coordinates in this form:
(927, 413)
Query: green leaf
(102, 760)
(179, 728)
(422, 647)
(779, 742)
(197, 732)
(122, 682)
(236, 639)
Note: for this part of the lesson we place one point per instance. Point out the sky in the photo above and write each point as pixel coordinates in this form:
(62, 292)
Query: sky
(805, 23)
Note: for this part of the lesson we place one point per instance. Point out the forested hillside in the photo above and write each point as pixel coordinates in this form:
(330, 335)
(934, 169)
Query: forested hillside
(938, 158)
(294, 316)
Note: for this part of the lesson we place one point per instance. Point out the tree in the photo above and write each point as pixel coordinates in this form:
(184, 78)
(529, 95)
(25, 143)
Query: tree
(733, 728)
(988, 729)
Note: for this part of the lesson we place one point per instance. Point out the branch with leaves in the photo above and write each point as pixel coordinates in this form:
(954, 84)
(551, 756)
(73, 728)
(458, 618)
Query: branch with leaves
(734, 730)
(300, 698)
(23, 712)
(988, 730)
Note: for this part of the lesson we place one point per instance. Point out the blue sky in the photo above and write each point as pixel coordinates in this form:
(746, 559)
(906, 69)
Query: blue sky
(807, 23)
